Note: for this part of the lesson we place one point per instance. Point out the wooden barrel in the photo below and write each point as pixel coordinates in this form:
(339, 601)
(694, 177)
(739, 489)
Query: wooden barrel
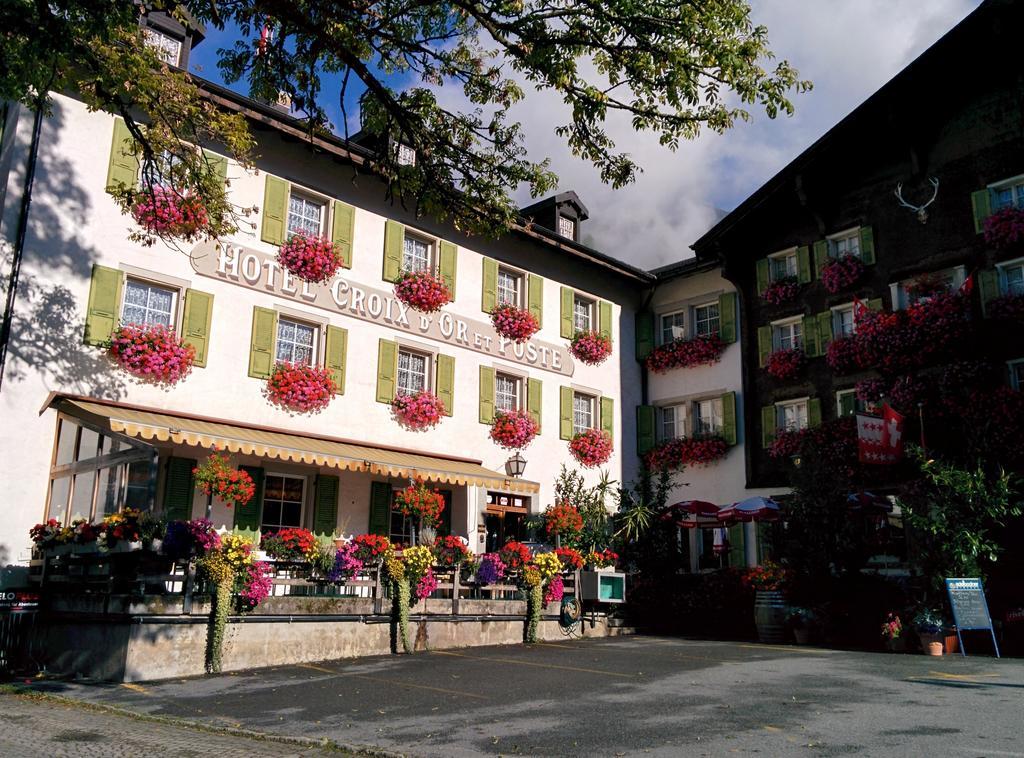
(770, 616)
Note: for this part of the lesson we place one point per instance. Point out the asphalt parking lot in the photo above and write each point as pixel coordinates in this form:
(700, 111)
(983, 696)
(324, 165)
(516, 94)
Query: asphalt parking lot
(625, 696)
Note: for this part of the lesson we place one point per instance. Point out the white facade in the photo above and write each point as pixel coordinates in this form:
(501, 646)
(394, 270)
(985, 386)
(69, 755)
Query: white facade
(74, 224)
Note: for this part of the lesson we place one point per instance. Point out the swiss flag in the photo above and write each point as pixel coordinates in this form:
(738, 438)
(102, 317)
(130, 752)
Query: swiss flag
(860, 310)
(880, 438)
(968, 286)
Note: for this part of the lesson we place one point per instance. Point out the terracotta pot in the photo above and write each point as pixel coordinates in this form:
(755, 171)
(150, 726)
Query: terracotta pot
(935, 647)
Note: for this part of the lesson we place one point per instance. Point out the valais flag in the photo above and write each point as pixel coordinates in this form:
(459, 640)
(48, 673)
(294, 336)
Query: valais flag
(880, 438)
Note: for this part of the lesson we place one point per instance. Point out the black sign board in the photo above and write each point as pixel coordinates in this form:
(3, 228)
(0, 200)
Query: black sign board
(18, 601)
(970, 610)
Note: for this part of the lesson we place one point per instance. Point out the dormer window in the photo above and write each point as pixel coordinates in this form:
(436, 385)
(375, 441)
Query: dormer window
(405, 155)
(166, 47)
(567, 227)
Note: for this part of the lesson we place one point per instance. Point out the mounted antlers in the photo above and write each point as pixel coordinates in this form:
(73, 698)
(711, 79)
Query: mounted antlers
(922, 214)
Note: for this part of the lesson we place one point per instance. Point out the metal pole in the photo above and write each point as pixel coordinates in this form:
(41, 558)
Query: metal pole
(920, 416)
(209, 507)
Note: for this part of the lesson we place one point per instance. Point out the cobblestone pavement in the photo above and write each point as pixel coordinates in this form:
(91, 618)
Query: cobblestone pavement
(31, 728)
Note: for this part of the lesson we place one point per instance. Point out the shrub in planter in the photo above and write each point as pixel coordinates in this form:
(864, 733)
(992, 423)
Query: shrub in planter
(346, 562)
(1007, 308)
(513, 430)
(591, 447)
(417, 412)
(371, 549)
(515, 555)
(562, 520)
(570, 558)
(164, 212)
(702, 350)
(451, 551)
(516, 324)
(47, 534)
(290, 544)
(215, 477)
(311, 258)
(125, 526)
(301, 388)
(422, 290)
(842, 273)
(151, 352)
(590, 347)
(1005, 227)
(686, 451)
(785, 364)
(781, 290)
(418, 502)
(490, 570)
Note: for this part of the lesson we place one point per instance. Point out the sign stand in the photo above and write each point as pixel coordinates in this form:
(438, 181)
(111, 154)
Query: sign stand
(970, 609)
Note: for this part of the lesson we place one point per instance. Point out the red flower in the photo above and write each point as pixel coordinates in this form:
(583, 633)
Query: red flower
(570, 558)
(416, 501)
(515, 555)
(781, 290)
(298, 387)
(686, 451)
(1005, 227)
(311, 258)
(702, 350)
(842, 273)
(514, 430)
(563, 520)
(591, 447)
(785, 364)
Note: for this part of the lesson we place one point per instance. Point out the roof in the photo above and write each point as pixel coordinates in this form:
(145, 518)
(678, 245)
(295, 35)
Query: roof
(266, 442)
(685, 267)
(561, 198)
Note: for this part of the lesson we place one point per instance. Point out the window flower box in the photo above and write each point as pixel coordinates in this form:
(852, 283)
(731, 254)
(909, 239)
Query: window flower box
(785, 363)
(164, 212)
(702, 350)
(422, 290)
(590, 347)
(152, 353)
(418, 412)
(513, 430)
(1005, 227)
(844, 355)
(911, 338)
(591, 448)
(300, 388)
(842, 273)
(781, 290)
(678, 453)
(516, 324)
(311, 258)
(1007, 308)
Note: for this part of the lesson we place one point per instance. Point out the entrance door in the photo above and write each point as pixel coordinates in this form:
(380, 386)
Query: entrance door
(503, 526)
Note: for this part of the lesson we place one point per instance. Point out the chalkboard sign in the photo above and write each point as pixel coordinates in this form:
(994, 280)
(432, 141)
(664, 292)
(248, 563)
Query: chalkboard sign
(970, 611)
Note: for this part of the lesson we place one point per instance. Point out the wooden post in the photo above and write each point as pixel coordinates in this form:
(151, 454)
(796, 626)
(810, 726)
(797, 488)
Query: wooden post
(378, 594)
(455, 591)
(190, 583)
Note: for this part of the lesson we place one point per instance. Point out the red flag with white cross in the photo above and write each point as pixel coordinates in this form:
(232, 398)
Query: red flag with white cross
(880, 438)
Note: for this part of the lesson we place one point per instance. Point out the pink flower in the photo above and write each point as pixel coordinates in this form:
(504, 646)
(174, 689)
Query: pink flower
(298, 387)
(167, 213)
(152, 352)
(702, 350)
(686, 451)
(514, 430)
(1005, 227)
(311, 258)
(591, 347)
(417, 412)
(781, 290)
(591, 447)
(785, 364)
(842, 273)
(516, 324)
(422, 290)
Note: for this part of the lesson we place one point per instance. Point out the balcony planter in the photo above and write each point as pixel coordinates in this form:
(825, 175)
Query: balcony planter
(418, 412)
(842, 273)
(702, 350)
(422, 291)
(844, 355)
(300, 388)
(676, 454)
(513, 430)
(785, 364)
(591, 448)
(1007, 308)
(781, 291)
(311, 258)
(1005, 228)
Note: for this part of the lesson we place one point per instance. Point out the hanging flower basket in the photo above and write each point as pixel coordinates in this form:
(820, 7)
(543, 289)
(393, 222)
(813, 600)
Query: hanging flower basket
(844, 355)
(516, 324)
(311, 258)
(513, 430)
(702, 350)
(785, 364)
(1007, 308)
(422, 291)
(301, 388)
(591, 448)
(676, 454)
(164, 212)
(590, 347)
(787, 443)
(451, 551)
(781, 290)
(419, 502)
(842, 273)
(216, 477)
(572, 559)
(154, 353)
(1005, 227)
(417, 412)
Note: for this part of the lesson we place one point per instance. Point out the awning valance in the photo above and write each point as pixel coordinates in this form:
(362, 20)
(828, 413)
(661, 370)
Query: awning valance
(298, 448)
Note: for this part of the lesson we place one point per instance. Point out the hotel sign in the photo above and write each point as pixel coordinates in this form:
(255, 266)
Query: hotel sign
(258, 271)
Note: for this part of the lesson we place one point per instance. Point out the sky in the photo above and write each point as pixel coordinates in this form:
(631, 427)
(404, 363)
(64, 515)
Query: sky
(847, 48)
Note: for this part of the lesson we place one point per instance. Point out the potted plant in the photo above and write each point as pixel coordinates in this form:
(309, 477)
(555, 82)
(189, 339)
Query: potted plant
(151, 352)
(422, 291)
(300, 388)
(311, 258)
(785, 363)
(214, 476)
(590, 347)
(781, 290)
(513, 430)
(767, 582)
(512, 323)
(928, 624)
(165, 212)
(289, 544)
(591, 447)
(421, 504)
(892, 633)
(802, 621)
(418, 412)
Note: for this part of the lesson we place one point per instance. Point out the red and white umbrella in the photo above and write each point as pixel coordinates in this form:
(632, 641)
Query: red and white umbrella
(752, 509)
(691, 514)
(868, 502)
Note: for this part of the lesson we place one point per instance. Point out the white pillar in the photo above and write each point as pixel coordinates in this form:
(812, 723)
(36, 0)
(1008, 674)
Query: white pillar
(750, 543)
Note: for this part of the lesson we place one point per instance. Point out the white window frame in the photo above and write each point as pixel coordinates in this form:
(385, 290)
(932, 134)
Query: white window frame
(1016, 382)
(404, 154)
(566, 227)
(175, 298)
(898, 291)
(520, 291)
(315, 348)
(835, 239)
(591, 400)
(788, 323)
(696, 320)
(680, 417)
(837, 320)
(430, 245)
(590, 305)
(783, 255)
(312, 198)
(717, 423)
(678, 331)
(780, 413)
(302, 503)
(1004, 285)
(1015, 184)
(157, 39)
(517, 394)
(428, 363)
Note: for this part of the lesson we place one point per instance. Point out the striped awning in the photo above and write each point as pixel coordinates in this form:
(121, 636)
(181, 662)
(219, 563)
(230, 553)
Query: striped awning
(297, 448)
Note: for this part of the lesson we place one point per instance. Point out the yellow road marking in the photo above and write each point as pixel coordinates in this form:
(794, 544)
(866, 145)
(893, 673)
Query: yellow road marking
(384, 680)
(531, 663)
(770, 728)
(318, 668)
(553, 644)
(135, 687)
(946, 675)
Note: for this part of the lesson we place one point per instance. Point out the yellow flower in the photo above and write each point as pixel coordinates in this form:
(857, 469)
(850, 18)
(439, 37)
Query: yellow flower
(418, 559)
(395, 568)
(548, 564)
(531, 576)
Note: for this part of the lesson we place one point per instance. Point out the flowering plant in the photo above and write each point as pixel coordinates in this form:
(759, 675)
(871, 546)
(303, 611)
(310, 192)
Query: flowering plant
(426, 586)
(844, 355)
(513, 430)
(417, 560)
(124, 526)
(490, 570)
(569, 557)
(152, 352)
(372, 548)
(893, 627)
(46, 534)
(165, 212)
(311, 258)
(841, 273)
(786, 443)
(1005, 227)
(554, 590)
(1007, 308)
(781, 290)
(591, 447)
(686, 451)
(516, 324)
(912, 337)
(254, 583)
(767, 577)
(562, 520)
(928, 621)
(186, 538)
(785, 363)
(702, 350)
(548, 565)
(346, 562)
(298, 387)
(602, 559)
(237, 551)
(417, 412)
(422, 290)
(514, 555)
(215, 477)
(420, 503)
(590, 347)
(530, 578)
(83, 532)
(450, 551)
(927, 285)
(290, 544)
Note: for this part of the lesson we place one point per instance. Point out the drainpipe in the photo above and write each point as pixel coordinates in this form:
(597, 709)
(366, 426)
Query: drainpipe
(19, 242)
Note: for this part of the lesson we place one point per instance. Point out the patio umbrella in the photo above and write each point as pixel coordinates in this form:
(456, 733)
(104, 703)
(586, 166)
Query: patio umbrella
(868, 502)
(691, 514)
(696, 508)
(752, 509)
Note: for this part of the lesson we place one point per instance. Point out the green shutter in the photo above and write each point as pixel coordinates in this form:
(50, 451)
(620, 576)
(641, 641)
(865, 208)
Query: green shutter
(820, 256)
(875, 304)
(608, 415)
(769, 423)
(534, 400)
(486, 395)
(763, 276)
(179, 489)
(645, 428)
(489, 290)
(604, 318)
(803, 264)
(275, 210)
(825, 333)
(565, 314)
(737, 554)
(565, 413)
(123, 170)
(394, 241)
(981, 204)
(261, 345)
(380, 508)
(644, 334)
(325, 511)
(847, 404)
(814, 412)
(988, 287)
(764, 344)
(218, 164)
(335, 356)
(727, 317)
(387, 370)
(867, 245)
(102, 312)
(729, 430)
(343, 228)
(445, 382)
(196, 323)
(535, 297)
(447, 263)
(248, 516)
(810, 336)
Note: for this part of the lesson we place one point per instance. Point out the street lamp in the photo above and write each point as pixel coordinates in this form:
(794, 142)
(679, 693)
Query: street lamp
(515, 465)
